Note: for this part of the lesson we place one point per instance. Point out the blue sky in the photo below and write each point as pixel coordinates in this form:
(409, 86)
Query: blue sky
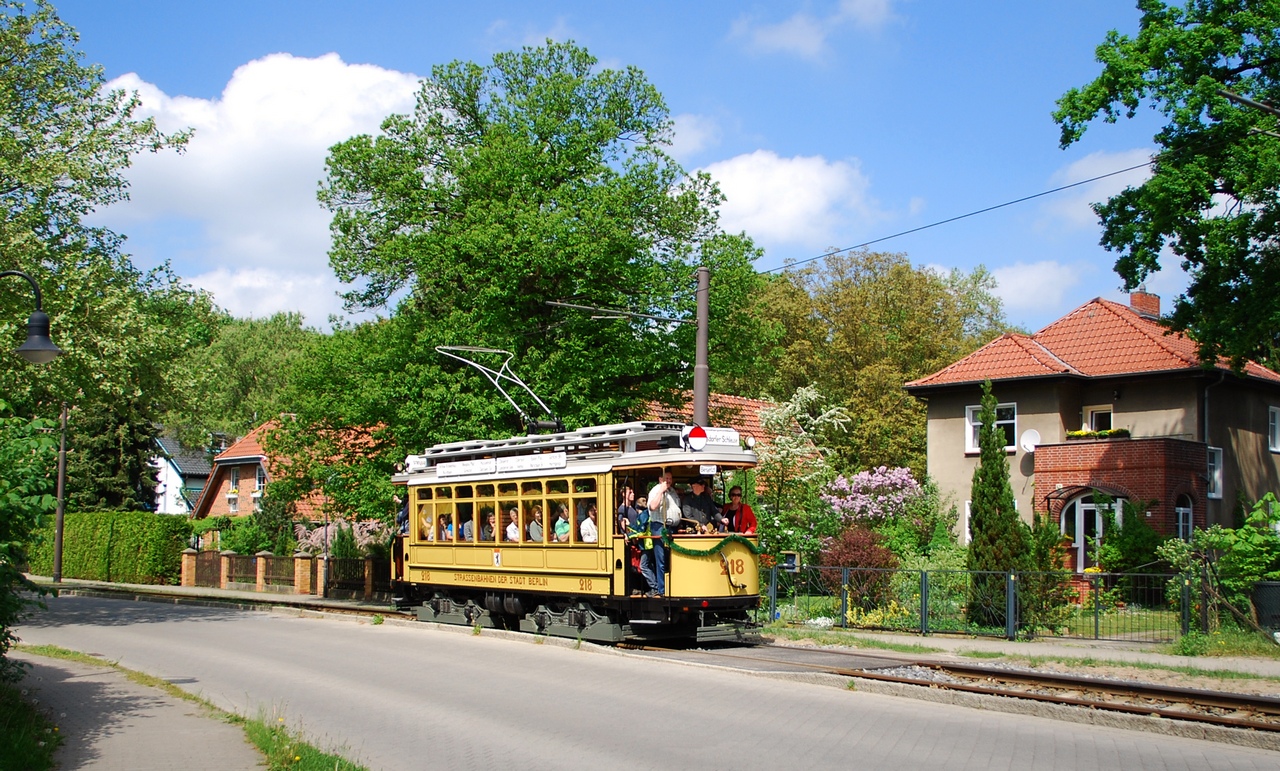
(828, 124)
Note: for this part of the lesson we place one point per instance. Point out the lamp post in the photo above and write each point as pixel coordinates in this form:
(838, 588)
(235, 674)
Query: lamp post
(39, 349)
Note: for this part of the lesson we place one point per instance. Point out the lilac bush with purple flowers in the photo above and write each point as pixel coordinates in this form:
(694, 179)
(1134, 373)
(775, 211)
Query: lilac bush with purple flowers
(871, 497)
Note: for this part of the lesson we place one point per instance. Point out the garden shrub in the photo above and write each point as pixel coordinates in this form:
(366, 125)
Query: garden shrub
(1131, 545)
(859, 547)
(132, 547)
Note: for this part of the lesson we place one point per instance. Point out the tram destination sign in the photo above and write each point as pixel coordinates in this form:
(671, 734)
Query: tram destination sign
(505, 465)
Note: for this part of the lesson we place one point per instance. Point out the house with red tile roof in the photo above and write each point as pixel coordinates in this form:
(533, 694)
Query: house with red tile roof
(239, 480)
(1106, 400)
(736, 412)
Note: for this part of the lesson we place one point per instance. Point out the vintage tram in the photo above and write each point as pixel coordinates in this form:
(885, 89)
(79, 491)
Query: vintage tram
(496, 536)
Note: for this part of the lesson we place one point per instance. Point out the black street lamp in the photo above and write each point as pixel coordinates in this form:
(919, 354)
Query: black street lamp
(38, 349)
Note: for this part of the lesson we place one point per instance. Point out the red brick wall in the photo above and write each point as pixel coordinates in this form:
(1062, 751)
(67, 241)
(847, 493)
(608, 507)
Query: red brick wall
(1157, 470)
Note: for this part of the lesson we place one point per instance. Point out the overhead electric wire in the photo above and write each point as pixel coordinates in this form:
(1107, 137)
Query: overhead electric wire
(958, 217)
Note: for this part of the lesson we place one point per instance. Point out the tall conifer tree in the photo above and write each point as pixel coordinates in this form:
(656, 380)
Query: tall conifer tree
(999, 541)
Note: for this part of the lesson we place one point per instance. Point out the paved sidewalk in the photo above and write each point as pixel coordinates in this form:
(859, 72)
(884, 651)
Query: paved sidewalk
(111, 723)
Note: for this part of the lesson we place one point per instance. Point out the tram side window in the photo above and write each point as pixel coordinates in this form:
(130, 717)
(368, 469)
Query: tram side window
(489, 525)
(561, 527)
(557, 486)
(444, 522)
(466, 522)
(533, 522)
(507, 490)
(423, 514)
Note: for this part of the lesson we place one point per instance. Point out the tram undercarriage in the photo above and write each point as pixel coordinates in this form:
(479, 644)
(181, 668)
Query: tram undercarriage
(605, 620)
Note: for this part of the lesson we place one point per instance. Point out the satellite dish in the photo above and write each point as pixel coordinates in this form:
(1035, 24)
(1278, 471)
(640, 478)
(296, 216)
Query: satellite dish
(1030, 438)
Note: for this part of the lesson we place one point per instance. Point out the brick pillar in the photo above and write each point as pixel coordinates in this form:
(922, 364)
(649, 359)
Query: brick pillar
(188, 567)
(368, 578)
(301, 572)
(322, 575)
(261, 570)
(224, 567)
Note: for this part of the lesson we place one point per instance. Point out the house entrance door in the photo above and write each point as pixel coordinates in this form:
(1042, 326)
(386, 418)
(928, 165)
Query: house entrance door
(1082, 522)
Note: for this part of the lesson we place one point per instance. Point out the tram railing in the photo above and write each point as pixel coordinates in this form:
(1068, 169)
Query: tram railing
(1145, 607)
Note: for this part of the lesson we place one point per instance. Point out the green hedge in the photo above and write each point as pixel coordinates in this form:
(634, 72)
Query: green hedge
(131, 547)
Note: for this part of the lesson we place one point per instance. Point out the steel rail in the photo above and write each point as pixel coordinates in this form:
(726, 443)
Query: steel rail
(1191, 697)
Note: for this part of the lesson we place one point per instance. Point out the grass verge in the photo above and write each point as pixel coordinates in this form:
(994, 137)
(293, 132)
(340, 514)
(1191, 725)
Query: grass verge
(282, 748)
(27, 737)
(846, 639)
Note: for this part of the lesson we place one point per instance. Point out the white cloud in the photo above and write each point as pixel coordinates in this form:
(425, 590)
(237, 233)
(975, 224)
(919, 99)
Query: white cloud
(1036, 286)
(248, 179)
(1072, 207)
(804, 34)
(808, 201)
(693, 134)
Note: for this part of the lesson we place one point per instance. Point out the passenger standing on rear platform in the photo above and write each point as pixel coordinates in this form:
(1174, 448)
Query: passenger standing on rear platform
(627, 511)
(741, 518)
(663, 507)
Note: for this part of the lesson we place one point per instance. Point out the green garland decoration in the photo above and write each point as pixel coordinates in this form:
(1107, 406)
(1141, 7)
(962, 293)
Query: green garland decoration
(735, 538)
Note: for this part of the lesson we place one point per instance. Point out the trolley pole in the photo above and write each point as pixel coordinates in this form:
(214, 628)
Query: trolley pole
(701, 371)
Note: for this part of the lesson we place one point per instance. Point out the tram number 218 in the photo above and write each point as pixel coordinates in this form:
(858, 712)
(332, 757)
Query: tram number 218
(733, 566)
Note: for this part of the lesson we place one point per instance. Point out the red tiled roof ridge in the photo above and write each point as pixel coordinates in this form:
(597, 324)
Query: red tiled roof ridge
(1033, 345)
(1132, 317)
(246, 446)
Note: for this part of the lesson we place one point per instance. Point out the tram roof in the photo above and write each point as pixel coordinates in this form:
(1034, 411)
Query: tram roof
(590, 439)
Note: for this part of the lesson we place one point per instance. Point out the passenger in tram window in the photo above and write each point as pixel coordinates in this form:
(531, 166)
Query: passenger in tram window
(426, 530)
(699, 510)
(738, 514)
(561, 532)
(446, 529)
(402, 516)
(490, 524)
(588, 530)
(535, 527)
(627, 510)
(468, 530)
(513, 527)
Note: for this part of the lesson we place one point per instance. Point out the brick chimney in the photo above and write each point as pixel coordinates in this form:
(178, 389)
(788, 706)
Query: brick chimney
(1145, 303)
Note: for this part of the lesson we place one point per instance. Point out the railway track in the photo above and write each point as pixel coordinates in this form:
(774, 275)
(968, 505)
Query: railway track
(1218, 708)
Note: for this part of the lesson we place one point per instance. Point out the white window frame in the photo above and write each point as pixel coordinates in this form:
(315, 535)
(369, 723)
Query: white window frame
(1214, 472)
(972, 425)
(1183, 520)
(1273, 429)
(260, 479)
(233, 478)
(1091, 411)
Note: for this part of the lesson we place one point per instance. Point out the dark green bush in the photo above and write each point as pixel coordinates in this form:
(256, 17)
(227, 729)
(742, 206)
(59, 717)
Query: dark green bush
(131, 547)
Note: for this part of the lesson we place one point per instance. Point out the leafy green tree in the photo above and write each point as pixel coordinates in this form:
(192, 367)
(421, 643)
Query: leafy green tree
(539, 177)
(26, 449)
(64, 143)
(1000, 542)
(241, 376)
(1211, 202)
(536, 178)
(109, 468)
(859, 325)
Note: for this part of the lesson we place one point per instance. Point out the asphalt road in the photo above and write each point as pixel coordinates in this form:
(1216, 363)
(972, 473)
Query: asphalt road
(411, 697)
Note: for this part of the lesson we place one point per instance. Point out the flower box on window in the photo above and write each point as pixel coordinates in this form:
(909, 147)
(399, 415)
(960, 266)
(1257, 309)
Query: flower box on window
(1111, 433)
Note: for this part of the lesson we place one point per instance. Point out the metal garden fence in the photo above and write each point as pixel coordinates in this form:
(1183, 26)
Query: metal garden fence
(1102, 606)
(279, 571)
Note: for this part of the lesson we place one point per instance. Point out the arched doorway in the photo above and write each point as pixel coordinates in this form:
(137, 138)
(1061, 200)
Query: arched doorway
(1082, 521)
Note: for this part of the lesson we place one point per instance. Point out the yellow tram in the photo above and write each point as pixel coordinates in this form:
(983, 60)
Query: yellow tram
(496, 536)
